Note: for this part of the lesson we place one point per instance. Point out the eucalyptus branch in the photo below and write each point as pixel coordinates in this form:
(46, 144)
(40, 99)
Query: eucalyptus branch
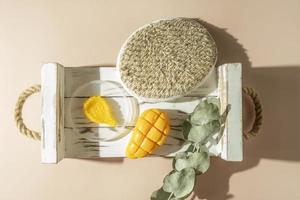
(198, 129)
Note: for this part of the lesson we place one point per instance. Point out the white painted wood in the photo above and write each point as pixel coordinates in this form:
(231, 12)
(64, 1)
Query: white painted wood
(177, 111)
(52, 113)
(79, 143)
(83, 139)
(230, 90)
(87, 144)
(77, 76)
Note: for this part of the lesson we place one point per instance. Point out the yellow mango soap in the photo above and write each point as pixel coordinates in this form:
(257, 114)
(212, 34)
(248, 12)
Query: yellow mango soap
(97, 110)
(150, 132)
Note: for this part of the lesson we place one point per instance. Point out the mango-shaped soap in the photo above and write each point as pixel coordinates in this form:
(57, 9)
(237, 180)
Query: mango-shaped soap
(97, 110)
(150, 132)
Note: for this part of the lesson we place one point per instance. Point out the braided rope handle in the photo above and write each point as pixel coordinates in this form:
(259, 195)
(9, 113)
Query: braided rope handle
(18, 113)
(258, 112)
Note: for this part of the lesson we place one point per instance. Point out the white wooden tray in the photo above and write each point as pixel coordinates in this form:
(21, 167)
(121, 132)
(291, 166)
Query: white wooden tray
(59, 140)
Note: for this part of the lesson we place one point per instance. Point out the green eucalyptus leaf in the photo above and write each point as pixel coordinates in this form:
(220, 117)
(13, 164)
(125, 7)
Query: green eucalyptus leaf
(200, 134)
(160, 195)
(200, 161)
(204, 113)
(215, 101)
(203, 148)
(186, 127)
(180, 183)
(177, 156)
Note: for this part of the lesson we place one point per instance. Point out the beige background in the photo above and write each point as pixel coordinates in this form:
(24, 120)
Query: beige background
(88, 32)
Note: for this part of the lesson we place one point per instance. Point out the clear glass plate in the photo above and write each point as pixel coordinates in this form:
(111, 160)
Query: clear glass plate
(124, 108)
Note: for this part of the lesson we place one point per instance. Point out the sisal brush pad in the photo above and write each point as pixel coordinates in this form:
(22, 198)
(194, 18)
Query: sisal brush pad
(166, 59)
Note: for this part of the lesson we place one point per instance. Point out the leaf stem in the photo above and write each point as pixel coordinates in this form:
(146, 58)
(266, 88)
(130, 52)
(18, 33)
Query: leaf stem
(171, 195)
(197, 148)
(194, 148)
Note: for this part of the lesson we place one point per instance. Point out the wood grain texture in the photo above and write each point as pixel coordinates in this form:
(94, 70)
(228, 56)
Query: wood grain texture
(84, 139)
(230, 92)
(53, 144)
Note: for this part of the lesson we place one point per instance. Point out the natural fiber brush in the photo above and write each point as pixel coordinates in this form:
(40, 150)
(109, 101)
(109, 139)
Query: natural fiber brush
(167, 58)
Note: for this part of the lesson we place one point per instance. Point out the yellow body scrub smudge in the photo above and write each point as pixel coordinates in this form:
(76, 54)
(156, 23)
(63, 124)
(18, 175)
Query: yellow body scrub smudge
(150, 132)
(97, 110)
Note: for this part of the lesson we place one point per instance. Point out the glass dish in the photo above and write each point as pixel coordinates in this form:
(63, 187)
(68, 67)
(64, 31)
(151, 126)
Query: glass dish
(124, 108)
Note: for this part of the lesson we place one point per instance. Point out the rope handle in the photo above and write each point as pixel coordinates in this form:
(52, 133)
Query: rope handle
(18, 113)
(258, 112)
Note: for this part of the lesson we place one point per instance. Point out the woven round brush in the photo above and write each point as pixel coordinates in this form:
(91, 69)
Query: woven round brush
(166, 59)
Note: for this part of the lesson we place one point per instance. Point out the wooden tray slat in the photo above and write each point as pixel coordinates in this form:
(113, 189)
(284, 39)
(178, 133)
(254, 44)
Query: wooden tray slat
(81, 138)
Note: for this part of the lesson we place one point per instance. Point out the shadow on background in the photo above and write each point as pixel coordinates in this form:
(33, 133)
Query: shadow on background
(279, 138)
